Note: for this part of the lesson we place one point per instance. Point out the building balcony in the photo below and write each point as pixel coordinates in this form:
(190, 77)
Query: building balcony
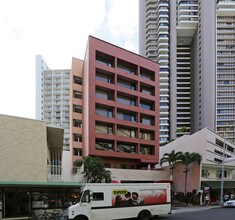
(64, 174)
(225, 8)
(151, 6)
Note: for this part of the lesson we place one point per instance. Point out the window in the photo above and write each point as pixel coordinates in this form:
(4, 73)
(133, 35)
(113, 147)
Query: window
(86, 196)
(127, 67)
(145, 89)
(104, 145)
(126, 84)
(77, 137)
(148, 105)
(77, 123)
(147, 74)
(108, 95)
(104, 59)
(77, 108)
(104, 128)
(77, 152)
(126, 132)
(147, 135)
(205, 173)
(98, 196)
(147, 120)
(229, 148)
(77, 95)
(219, 172)
(126, 148)
(51, 199)
(104, 111)
(217, 160)
(126, 100)
(127, 116)
(104, 76)
(146, 150)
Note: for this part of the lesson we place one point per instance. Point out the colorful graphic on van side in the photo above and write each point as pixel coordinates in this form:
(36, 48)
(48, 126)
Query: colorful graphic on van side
(123, 197)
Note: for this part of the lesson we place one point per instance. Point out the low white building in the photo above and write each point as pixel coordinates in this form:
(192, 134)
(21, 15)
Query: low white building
(210, 145)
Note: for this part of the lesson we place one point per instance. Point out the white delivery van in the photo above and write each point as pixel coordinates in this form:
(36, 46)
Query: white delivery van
(107, 201)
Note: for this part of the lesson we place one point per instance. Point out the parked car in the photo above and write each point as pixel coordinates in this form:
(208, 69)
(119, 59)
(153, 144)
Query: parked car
(229, 203)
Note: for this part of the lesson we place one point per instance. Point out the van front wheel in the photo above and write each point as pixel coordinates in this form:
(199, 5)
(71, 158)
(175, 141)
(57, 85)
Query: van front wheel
(144, 215)
(80, 218)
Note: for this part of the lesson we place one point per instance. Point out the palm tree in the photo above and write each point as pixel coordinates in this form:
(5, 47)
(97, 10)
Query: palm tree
(171, 158)
(187, 158)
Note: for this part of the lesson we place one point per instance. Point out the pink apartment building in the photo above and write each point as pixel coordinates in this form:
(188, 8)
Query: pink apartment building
(76, 109)
(120, 106)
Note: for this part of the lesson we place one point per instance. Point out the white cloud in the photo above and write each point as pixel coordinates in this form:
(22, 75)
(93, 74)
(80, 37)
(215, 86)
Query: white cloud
(123, 23)
(58, 30)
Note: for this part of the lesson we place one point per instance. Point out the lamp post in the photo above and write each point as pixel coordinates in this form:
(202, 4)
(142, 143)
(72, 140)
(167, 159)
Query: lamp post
(222, 175)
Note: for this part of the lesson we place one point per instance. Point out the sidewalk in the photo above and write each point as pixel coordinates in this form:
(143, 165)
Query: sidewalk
(192, 208)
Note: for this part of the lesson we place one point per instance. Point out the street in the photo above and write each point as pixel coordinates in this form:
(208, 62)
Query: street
(215, 214)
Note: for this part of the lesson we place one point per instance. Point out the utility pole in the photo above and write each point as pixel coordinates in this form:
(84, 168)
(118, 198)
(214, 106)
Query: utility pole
(222, 175)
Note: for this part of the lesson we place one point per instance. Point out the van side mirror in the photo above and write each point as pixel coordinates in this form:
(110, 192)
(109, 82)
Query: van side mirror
(91, 196)
(87, 198)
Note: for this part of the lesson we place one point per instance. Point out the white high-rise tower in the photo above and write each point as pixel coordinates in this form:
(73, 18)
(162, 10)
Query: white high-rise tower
(193, 41)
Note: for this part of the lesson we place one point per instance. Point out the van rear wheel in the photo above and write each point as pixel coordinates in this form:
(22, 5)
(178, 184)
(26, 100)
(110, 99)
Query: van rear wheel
(144, 215)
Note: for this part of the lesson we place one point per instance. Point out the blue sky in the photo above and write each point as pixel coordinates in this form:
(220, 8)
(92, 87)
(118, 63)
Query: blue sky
(58, 30)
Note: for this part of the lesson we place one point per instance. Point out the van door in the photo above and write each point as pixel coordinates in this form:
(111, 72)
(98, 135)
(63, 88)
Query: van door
(97, 206)
(85, 203)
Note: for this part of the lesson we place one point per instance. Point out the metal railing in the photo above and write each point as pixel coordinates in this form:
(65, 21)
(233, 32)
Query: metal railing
(64, 174)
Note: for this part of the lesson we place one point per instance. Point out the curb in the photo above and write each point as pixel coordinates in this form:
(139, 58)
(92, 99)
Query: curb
(176, 210)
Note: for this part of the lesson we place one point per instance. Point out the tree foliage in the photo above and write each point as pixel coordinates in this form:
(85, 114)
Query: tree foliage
(185, 158)
(171, 158)
(94, 170)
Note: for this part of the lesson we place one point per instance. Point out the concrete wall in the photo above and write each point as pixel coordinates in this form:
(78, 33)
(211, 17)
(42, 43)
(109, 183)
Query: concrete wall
(192, 143)
(193, 178)
(139, 175)
(208, 64)
(23, 150)
(173, 70)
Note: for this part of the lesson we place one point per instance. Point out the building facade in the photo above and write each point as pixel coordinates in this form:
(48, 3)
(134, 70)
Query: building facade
(31, 175)
(121, 101)
(76, 110)
(193, 42)
(211, 146)
(120, 108)
(53, 97)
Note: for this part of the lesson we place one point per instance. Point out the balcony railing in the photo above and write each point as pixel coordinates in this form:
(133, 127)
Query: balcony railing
(64, 174)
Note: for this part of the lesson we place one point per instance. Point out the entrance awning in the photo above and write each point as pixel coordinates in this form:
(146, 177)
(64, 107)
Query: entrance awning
(40, 184)
(217, 184)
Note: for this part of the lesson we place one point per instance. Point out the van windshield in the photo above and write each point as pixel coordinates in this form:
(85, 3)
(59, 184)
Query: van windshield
(85, 196)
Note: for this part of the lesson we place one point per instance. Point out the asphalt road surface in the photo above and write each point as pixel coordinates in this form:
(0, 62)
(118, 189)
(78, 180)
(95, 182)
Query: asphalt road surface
(211, 214)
